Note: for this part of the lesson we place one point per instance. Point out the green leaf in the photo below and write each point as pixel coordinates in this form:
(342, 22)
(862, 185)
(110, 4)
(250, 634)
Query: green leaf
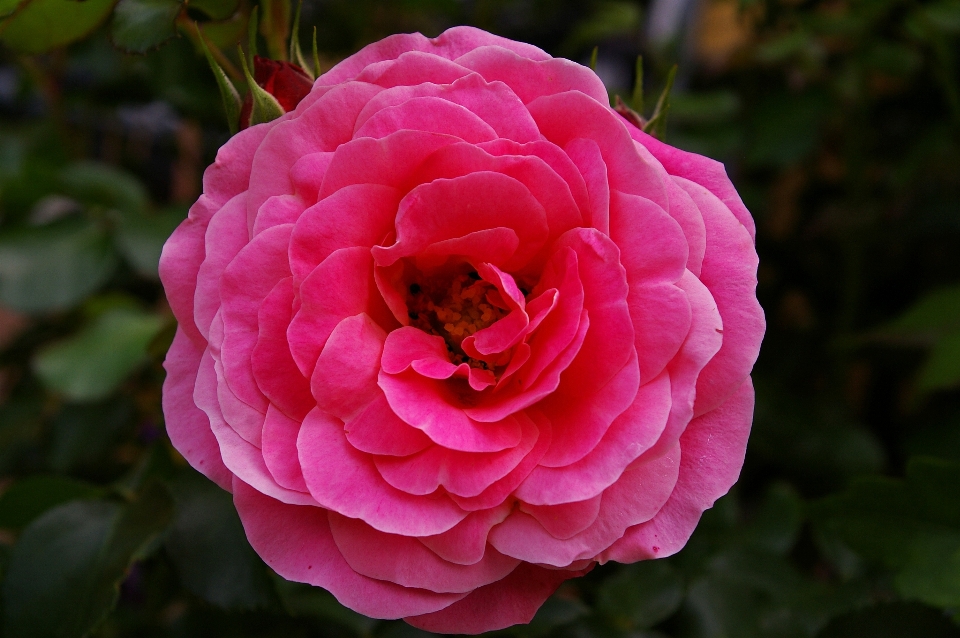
(305, 601)
(209, 548)
(911, 525)
(942, 367)
(9, 6)
(96, 184)
(641, 595)
(216, 9)
(43, 25)
(30, 497)
(140, 239)
(65, 571)
(265, 106)
(83, 433)
(54, 267)
(141, 25)
(92, 363)
(228, 92)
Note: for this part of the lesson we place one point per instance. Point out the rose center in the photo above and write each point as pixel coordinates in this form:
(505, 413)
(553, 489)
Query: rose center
(454, 309)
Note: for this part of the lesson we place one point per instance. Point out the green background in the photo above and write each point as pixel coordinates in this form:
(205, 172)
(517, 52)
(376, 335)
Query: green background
(839, 123)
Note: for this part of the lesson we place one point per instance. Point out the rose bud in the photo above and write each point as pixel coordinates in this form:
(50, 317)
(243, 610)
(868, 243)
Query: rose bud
(285, 81)
(454, 331)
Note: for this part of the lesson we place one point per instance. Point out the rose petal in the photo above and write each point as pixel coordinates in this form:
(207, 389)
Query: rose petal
(345, 378)
(377, 430)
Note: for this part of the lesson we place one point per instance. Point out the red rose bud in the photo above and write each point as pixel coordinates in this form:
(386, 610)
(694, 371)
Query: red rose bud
(287, 82)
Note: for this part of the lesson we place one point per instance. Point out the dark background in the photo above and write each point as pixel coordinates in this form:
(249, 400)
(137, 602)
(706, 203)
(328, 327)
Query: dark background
(837, 120)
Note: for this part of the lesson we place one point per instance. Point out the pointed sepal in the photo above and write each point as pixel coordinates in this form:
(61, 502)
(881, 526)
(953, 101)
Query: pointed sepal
(228, 92)
(657, 124)
(265, 107)
(296, 53)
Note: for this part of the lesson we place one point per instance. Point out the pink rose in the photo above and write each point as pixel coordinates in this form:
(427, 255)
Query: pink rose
(453, 331)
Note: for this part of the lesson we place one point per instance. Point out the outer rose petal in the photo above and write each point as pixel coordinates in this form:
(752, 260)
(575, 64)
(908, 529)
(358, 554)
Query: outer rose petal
(511, 601)
(296, 542)
(713, 449)
(187, 425)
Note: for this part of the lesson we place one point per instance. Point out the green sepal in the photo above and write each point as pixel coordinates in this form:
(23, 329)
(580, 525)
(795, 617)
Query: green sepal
(316, 55)
(296, 54)
(657, 124)
(265, 106)
(593, 58)
(228, 92)
(636, 99)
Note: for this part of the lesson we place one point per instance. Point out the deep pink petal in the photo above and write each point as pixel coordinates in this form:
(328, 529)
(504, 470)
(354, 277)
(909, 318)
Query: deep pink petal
(511, 601)
(627, 170)
(277, 211)
(273, 366)
(713, 449)
(411, 68)
(187, 425)
(244, 285)
(652, 245)
(586, 155)
(280, 450)
(635, 498)
(307, 175)
(323, 126)
(447, 209)
(296, 542)
(358, 215)
(466, 542)
(340, 287)
(435, 407)
(701, 170)
(429, 114)
(389, 161)
(406, 561)
(345, 378)
(566, 519)
(460, 473)
(630, 435)
(661, 318)
(685, 212)
(530, 78)
(377, 430)
(345, 480)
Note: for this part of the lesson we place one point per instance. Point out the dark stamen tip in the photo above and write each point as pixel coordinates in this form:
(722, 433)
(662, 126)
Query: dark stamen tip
(413, 315)
(473, 274)
(415, 289)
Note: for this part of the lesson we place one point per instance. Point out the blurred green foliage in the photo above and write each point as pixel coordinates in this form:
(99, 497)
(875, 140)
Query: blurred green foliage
(839, 122)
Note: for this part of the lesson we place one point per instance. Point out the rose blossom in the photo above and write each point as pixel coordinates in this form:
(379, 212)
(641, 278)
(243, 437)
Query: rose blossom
(453, 331)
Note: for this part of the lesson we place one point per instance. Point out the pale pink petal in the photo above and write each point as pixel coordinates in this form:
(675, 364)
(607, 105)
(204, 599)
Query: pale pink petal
(406, 561)
(280, 450)
(295, 541)
(511, 601)
(242, 458)
(345, 378)
(413, 67)
(345, 480)
(226, 235)
(187, 425)
(377, 430)
(713, 449)
(229, 175)
(730, 273)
